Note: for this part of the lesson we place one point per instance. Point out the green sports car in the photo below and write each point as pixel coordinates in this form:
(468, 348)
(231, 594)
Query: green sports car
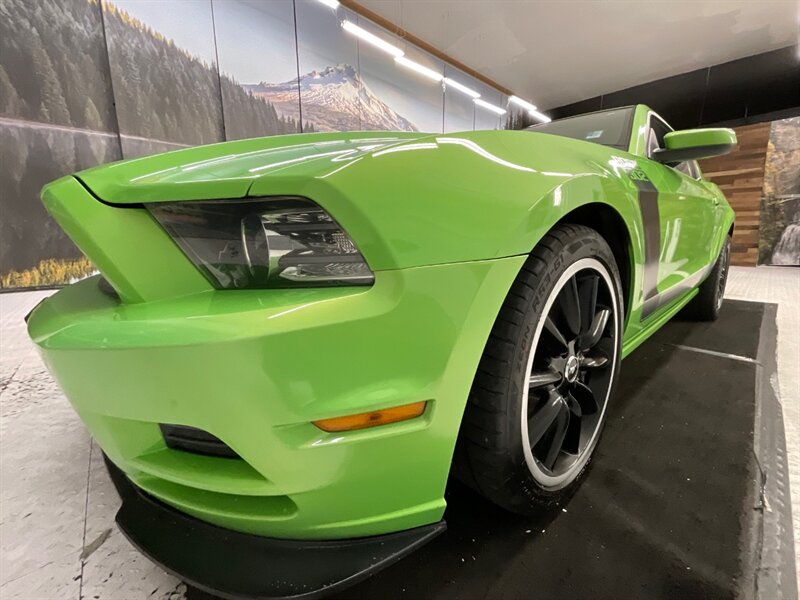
(293, 341)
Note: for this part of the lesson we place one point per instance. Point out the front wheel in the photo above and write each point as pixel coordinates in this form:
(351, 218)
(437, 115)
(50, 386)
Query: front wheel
(538, 402)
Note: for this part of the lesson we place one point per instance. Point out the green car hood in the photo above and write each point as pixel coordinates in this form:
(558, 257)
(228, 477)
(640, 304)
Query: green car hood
(229, 169)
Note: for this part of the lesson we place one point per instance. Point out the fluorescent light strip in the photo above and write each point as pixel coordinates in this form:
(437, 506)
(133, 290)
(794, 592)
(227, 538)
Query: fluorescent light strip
(331, 3)
(461, 88)
(537, 115)
(410, 64)
(523, 103)
(371, 39)
(491, 107)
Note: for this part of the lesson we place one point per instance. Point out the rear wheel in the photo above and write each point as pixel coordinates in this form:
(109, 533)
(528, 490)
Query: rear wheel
(705, 306)
(538, 403)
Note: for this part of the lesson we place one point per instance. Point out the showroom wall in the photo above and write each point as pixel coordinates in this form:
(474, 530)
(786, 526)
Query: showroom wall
(760, 97)
(84, 82)
(762, 87)
(779, 226)
(761, 180)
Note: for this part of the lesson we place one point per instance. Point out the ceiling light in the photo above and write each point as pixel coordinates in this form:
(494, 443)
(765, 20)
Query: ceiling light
(537, 115)
(461, 88)
(430, 73)
(491, 107)
(331, 3)
(371, 39)
(523, 103)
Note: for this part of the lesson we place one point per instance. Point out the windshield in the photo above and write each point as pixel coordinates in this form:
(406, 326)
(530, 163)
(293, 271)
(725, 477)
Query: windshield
(607, 127)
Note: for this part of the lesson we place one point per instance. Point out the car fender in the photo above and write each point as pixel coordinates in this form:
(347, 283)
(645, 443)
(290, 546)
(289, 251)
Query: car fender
(461, 197)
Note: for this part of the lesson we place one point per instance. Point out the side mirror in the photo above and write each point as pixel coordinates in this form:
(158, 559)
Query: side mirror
(693, 144)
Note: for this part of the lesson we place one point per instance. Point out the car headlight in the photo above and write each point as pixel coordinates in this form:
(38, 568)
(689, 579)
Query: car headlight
(264, 243)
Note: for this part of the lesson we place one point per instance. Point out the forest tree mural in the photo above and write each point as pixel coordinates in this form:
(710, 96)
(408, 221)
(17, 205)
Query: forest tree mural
(56, 116)
(168, 96)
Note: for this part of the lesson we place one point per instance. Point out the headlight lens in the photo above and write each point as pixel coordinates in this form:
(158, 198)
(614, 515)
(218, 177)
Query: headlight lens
(264, 243)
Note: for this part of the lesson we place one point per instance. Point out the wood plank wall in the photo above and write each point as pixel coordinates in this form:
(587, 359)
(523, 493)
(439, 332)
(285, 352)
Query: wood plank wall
(740, 175)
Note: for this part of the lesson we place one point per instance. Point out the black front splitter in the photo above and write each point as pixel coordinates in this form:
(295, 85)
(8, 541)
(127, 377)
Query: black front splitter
(241, 566)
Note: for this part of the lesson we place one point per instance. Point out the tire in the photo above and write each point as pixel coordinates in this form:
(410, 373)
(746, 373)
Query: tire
(706, 304)
(526, 370)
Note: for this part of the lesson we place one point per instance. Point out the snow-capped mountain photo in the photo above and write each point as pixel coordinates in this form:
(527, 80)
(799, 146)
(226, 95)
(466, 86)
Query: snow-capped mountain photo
(334, 99)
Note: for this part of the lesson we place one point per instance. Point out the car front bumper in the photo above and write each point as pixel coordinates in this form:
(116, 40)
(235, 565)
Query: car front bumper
(256, 367)
(242, 566)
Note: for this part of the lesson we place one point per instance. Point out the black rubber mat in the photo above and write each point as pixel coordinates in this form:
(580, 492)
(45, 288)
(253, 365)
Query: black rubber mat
(735, 332)
(664, 511)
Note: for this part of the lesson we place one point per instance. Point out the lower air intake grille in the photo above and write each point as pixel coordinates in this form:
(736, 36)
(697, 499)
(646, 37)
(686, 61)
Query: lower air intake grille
(191, 439)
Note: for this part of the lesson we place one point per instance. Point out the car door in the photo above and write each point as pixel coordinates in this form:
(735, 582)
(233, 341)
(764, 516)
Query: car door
(687, 218)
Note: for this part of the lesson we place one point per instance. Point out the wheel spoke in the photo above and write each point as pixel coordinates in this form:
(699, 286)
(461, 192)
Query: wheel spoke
(595, 360)
(573, 405)
(595, 332)
(572, 441)
(550, 327)
(543, 418)
(539, 379)
(585, 397)
(559, 433)
(569, 302)
(587, 290)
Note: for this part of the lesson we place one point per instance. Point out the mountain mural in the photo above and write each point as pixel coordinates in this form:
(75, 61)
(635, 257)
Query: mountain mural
(334, 99)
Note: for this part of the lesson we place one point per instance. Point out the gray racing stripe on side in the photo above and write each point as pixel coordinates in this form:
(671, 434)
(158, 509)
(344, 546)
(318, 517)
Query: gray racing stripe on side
(651, 222)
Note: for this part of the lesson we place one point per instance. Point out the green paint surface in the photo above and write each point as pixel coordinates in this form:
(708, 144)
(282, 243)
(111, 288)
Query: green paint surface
(445, 221)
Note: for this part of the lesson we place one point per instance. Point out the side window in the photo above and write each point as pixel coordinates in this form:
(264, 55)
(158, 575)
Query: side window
(655, 140)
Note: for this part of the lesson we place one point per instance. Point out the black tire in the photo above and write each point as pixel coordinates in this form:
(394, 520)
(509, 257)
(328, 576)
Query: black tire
(705, 306)
(490, 454)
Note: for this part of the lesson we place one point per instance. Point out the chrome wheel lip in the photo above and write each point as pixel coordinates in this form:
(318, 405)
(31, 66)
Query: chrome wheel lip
(543, 478)
(723, 275)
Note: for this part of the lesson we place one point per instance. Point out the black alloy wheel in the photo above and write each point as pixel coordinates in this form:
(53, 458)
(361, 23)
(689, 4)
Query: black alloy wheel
(571, 369)
(538, 402)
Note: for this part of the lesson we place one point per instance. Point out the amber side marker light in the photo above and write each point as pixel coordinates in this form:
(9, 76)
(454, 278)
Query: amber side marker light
(373, 418)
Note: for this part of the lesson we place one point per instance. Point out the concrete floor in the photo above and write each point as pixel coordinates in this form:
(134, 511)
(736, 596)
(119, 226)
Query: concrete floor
(57, 534)
(781, 286)
(57, 505)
